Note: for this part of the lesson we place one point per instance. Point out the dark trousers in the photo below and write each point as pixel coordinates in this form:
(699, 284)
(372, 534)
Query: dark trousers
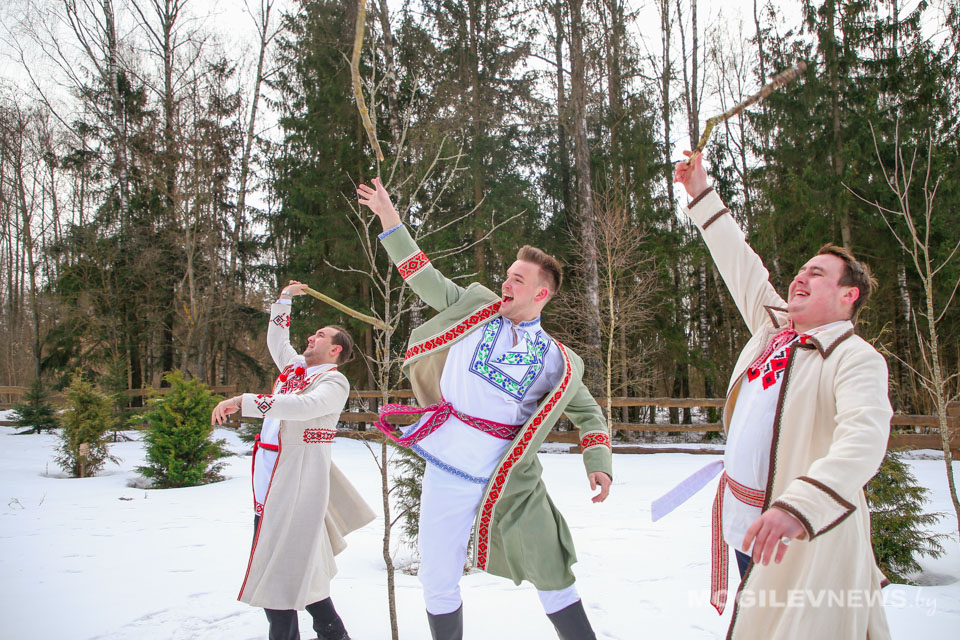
(743, 562)
(284, 624)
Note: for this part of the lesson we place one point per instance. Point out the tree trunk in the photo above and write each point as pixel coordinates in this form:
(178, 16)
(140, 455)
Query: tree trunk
(585, 188)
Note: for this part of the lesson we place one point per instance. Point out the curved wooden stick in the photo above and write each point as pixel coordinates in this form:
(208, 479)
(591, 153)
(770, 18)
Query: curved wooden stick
(355, 76)
(377, 324)
(782, 78)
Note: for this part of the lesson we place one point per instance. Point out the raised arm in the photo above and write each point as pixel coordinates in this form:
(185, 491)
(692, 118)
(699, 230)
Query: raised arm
(278, 331)
(432, 286)
(741, 268)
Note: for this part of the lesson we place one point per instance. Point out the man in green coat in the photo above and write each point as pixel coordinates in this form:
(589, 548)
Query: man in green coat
(491, 383)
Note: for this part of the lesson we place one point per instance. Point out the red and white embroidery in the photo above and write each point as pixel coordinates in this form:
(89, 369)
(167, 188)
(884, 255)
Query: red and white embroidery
(519, 449)
(264, 402)
(319, 436)
(282, 320)
(772, 370)
(412, 265)
(482, 314)
(291, 380)
(257, 508)
(595, 439)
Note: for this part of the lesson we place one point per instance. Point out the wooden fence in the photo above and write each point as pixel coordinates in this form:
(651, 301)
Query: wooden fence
(907, 431)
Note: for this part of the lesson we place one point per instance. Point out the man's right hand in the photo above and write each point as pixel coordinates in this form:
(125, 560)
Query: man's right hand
(379, 202)
(692, 176)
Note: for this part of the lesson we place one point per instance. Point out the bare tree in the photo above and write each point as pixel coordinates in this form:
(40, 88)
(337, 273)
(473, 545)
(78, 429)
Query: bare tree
(421, 176)
(627, 292)
(913, 232)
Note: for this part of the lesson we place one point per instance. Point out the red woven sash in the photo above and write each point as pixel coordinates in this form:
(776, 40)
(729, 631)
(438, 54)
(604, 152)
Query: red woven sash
(441, 413)
(720, 552)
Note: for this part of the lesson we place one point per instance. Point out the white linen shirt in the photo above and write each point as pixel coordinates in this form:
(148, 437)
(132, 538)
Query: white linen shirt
(746, 457)
(486, 376)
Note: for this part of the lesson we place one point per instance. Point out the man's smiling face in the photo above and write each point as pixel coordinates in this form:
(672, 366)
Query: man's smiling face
(816, 296)
(523, 292)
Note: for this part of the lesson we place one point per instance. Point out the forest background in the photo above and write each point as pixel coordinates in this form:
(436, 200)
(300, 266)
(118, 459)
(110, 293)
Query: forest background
(167, 165)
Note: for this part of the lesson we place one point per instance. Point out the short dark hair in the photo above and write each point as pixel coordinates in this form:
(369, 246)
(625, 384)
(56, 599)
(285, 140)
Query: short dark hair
(549, 266)
(343, 338)
(855, 274)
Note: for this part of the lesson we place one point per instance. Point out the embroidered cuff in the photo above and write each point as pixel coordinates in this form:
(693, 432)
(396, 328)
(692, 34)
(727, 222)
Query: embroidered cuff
(256, 405)
(412, 265)
(595, 439)
(818, 507)
(389, 231)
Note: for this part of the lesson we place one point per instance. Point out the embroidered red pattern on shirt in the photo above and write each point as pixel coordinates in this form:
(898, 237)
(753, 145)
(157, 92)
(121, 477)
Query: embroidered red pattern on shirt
(282, 320)
(771, 370)
(480, 315)
(595, 439)
(264, 402)
(319, 436)
(291, 380)
(486, 511)
(409, 267)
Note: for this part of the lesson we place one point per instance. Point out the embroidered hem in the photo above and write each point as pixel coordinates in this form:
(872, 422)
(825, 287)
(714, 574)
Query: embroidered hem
(449, 468)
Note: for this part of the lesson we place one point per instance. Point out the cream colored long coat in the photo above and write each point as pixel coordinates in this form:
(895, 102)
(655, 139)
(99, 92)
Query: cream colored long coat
(310, 505)
(829, 437)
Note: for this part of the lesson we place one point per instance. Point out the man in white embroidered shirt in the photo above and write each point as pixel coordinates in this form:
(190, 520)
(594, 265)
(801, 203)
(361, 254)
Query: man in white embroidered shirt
(303, 505)
(807, 420)
(491, 383)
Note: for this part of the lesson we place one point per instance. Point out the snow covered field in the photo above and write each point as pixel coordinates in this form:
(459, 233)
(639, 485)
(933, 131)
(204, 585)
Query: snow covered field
(98, 558)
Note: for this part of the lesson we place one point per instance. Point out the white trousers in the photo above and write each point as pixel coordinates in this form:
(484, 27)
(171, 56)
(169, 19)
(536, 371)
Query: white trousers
(448, 506)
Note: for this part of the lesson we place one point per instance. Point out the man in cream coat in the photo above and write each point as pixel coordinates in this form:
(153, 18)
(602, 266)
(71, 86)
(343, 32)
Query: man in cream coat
(807, 419)
(303, 504)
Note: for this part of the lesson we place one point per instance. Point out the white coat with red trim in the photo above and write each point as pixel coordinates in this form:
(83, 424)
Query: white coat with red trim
(309, 505)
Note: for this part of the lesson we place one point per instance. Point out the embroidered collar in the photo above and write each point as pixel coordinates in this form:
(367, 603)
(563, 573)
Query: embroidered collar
(528, 323)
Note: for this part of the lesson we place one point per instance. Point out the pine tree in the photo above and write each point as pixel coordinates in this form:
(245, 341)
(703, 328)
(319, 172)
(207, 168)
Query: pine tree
(180, 452)
(898, 524)
(87, 419)
(35, 412)
(408, 481)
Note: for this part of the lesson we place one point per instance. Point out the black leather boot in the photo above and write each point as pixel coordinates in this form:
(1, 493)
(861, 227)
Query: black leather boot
(447, 626)
(326, 621)
(571, 623)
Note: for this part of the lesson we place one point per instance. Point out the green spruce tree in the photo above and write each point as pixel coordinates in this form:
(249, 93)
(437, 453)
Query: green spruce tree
(180, 452)
(898, 523)
(87, 419)
(35, 413)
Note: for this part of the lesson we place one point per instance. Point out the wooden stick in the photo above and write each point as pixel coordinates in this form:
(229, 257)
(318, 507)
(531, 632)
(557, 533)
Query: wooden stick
(378, 324)
(355, 76)
(782, 78)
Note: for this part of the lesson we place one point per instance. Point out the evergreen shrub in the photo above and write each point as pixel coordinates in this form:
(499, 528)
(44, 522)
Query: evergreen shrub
(35, 412)
(86, 419)
(179, 448)
(897, 521)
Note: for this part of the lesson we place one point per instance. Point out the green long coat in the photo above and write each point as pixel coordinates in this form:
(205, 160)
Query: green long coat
(518, 533)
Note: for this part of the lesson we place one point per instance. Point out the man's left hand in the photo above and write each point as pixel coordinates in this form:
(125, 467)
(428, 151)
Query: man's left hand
(602, 479)
(767, 531)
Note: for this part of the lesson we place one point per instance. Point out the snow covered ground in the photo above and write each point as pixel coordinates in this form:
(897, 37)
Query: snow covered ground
(99, 558)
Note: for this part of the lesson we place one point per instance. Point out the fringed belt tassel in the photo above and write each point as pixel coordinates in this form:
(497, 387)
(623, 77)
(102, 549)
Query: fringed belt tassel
(720, 560)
